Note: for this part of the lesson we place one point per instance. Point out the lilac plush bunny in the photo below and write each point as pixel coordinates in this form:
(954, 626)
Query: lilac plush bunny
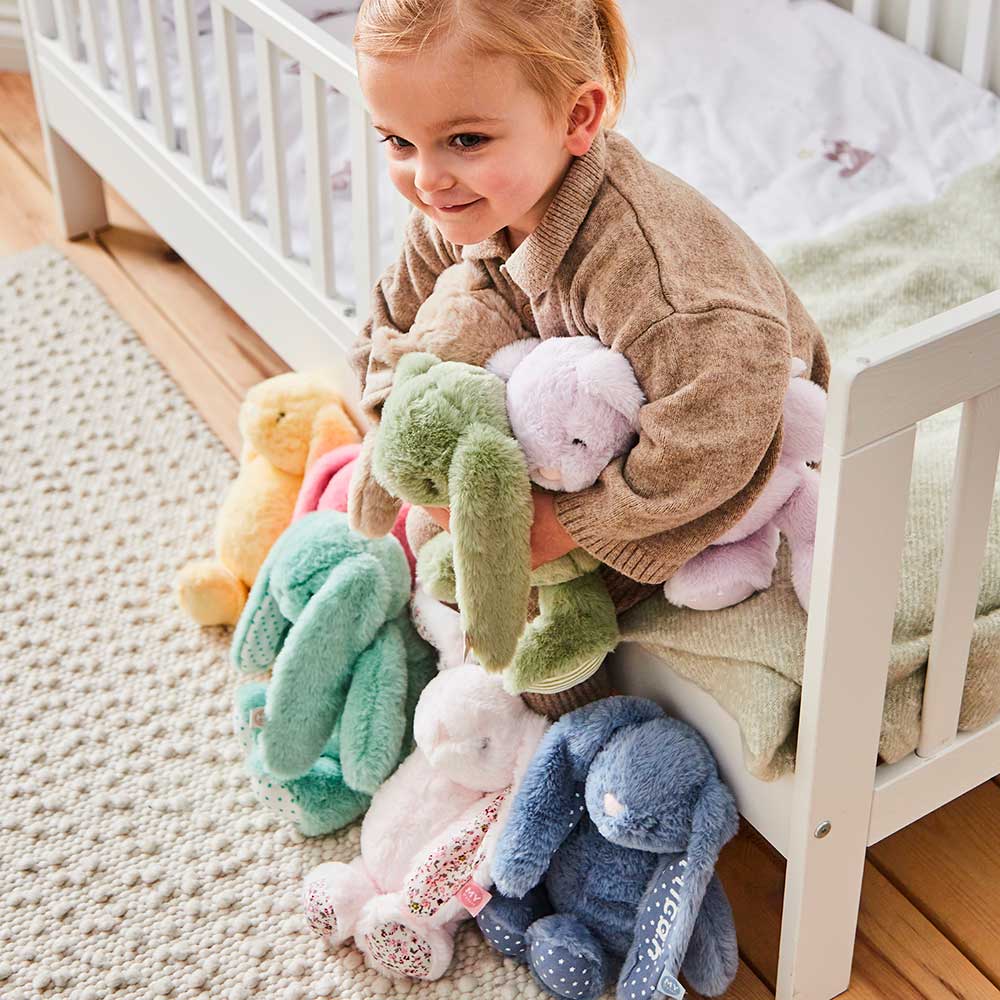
(572, 410)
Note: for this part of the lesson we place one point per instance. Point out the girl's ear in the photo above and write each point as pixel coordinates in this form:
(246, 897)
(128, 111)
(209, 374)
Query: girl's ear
(504, 361)
(491, 515)
(607, 375)
(371, 509)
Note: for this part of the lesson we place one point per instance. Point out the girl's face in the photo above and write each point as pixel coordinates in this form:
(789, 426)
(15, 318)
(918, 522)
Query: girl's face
(469, 142)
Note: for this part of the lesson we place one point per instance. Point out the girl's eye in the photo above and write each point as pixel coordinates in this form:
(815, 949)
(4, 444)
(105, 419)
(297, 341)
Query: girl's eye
(477, 140)
(579, 442)
(393, 141)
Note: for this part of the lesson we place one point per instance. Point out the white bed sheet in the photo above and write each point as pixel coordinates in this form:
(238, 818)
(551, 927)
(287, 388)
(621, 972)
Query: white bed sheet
(791, 115)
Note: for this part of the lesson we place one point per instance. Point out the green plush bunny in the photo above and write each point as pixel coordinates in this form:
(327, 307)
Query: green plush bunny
(444, 440)
(328, 615)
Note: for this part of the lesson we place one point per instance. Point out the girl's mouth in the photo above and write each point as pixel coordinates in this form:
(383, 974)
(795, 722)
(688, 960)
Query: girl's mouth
(455, 209)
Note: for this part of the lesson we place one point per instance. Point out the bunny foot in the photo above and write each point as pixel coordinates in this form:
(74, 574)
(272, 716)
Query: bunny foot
(332, 897)
(504, 922)
(566, 958)
(397, 945)
(723, 575)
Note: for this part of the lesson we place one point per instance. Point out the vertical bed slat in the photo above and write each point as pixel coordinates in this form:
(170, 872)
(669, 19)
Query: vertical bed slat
(224, 31)
(314, 121)
(159, 87)
(194, 95)
(867, 10)
(978, 38)
(363, 194)
(920, 25)
(92, 41)
(269, 103)
(125, 55)
(66, 26)
(958, 584)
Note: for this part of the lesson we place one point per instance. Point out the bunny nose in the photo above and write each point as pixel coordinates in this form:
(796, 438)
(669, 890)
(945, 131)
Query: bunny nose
(551, 473)
(612, 806)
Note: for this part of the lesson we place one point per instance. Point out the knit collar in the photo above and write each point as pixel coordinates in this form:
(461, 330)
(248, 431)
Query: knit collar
(534, 263)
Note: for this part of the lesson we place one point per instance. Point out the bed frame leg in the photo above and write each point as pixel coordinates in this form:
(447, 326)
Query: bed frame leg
(76, 186)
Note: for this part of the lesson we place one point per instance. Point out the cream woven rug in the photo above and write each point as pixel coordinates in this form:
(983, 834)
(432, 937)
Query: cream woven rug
(134, 860)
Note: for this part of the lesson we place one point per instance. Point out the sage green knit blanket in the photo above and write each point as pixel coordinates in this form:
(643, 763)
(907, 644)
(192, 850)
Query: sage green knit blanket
(870, 279)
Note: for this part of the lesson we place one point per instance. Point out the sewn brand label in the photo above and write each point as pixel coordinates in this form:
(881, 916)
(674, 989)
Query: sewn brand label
(473, 897)
(257, 718)
(669, 987)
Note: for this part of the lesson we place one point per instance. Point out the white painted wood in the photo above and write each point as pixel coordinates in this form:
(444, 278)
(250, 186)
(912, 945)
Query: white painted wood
(765, 804)
(275, 185)
(867, 10)
(67, 28)
(920, 24)
(274, 295)
(859, 543)
(92, 40)
(314, 122)
(914, 787)
(224, 30)
(363, 207)
(958, 584)
(13, 53)
(159, 85)
(125, 54)
(978, 41)
(194, 92)
(925, 369)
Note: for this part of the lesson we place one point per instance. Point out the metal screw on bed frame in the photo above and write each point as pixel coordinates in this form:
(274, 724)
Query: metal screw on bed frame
(349, 311)
(823, 829)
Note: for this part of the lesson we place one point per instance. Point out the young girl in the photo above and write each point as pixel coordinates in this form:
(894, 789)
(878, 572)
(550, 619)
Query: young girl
(497, 121)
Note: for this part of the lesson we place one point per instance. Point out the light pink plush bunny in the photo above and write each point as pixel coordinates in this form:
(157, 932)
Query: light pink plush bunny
(428, 837)
(573, 407)
(743, 560)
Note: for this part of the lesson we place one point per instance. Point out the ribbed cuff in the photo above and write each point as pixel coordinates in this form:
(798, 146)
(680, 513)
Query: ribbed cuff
(630, 558)
(595, 687)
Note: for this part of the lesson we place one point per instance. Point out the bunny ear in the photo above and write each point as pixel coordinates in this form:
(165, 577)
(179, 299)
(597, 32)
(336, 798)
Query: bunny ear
(412, 365)
(607, 375)
(504, 361)
(319, 475)
(440, 626)
(550, 800)
(672, 903)
(491, 514)
(310, 675)
(371, 509)
(262, 627)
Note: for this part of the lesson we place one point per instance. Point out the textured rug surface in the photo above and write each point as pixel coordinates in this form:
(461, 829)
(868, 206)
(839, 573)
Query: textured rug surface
(134, 859)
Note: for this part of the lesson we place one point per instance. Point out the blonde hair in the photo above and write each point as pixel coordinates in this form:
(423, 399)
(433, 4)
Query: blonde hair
(558, 44)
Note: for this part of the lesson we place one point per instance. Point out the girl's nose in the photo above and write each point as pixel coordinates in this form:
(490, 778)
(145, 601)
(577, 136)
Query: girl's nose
(430, 177)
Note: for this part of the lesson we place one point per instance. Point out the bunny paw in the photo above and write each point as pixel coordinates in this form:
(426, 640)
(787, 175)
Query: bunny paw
(504, 921)
(332, 897)
(566, 958)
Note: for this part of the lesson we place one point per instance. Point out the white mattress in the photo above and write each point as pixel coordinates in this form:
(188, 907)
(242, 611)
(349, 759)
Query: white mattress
(791, 115)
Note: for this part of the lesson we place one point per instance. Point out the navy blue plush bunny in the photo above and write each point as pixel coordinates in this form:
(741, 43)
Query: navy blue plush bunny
(606, 866)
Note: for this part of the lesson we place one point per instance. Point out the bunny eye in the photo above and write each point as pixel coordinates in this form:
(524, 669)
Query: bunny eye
(580, 441)
(280, 417)
(484, 743)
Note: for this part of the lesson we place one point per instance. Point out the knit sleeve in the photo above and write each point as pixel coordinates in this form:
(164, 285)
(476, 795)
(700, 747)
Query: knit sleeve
(710, 435)
(394, 304)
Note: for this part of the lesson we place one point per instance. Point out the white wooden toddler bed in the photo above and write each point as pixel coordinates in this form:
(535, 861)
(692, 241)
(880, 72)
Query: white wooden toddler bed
(231, 144)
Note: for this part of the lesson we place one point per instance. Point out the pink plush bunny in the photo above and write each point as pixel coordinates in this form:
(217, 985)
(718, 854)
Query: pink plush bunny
(743, 560)
(428, 838)
(327, 484)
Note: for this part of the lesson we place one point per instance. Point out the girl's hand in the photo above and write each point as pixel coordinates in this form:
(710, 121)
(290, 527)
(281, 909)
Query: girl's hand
(549, 539)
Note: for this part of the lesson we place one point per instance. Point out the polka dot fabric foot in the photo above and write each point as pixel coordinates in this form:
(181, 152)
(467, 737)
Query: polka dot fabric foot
(504, 922)
(566, 959)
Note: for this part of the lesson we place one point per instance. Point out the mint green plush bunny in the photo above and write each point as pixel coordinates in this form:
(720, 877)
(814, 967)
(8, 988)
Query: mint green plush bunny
(328, 615)
(444, 440)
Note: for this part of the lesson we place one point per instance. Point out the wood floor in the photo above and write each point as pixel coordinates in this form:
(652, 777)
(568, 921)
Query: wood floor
(930, 916)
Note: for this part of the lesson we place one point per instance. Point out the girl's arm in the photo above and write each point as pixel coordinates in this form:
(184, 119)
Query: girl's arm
(394, 304)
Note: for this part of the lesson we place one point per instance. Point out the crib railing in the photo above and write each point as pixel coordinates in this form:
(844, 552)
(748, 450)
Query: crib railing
(279, 33)
(921, 19)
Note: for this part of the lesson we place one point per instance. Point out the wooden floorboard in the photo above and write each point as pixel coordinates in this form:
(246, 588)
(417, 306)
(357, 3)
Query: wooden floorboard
(930, 919)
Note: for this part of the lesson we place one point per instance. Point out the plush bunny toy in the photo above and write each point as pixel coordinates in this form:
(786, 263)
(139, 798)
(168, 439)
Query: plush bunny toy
(328, 615)
(428, 837)
(742, 561)
(606, 866)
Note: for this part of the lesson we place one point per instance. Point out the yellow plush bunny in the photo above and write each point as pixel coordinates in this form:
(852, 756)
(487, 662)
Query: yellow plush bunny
(286, 423)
